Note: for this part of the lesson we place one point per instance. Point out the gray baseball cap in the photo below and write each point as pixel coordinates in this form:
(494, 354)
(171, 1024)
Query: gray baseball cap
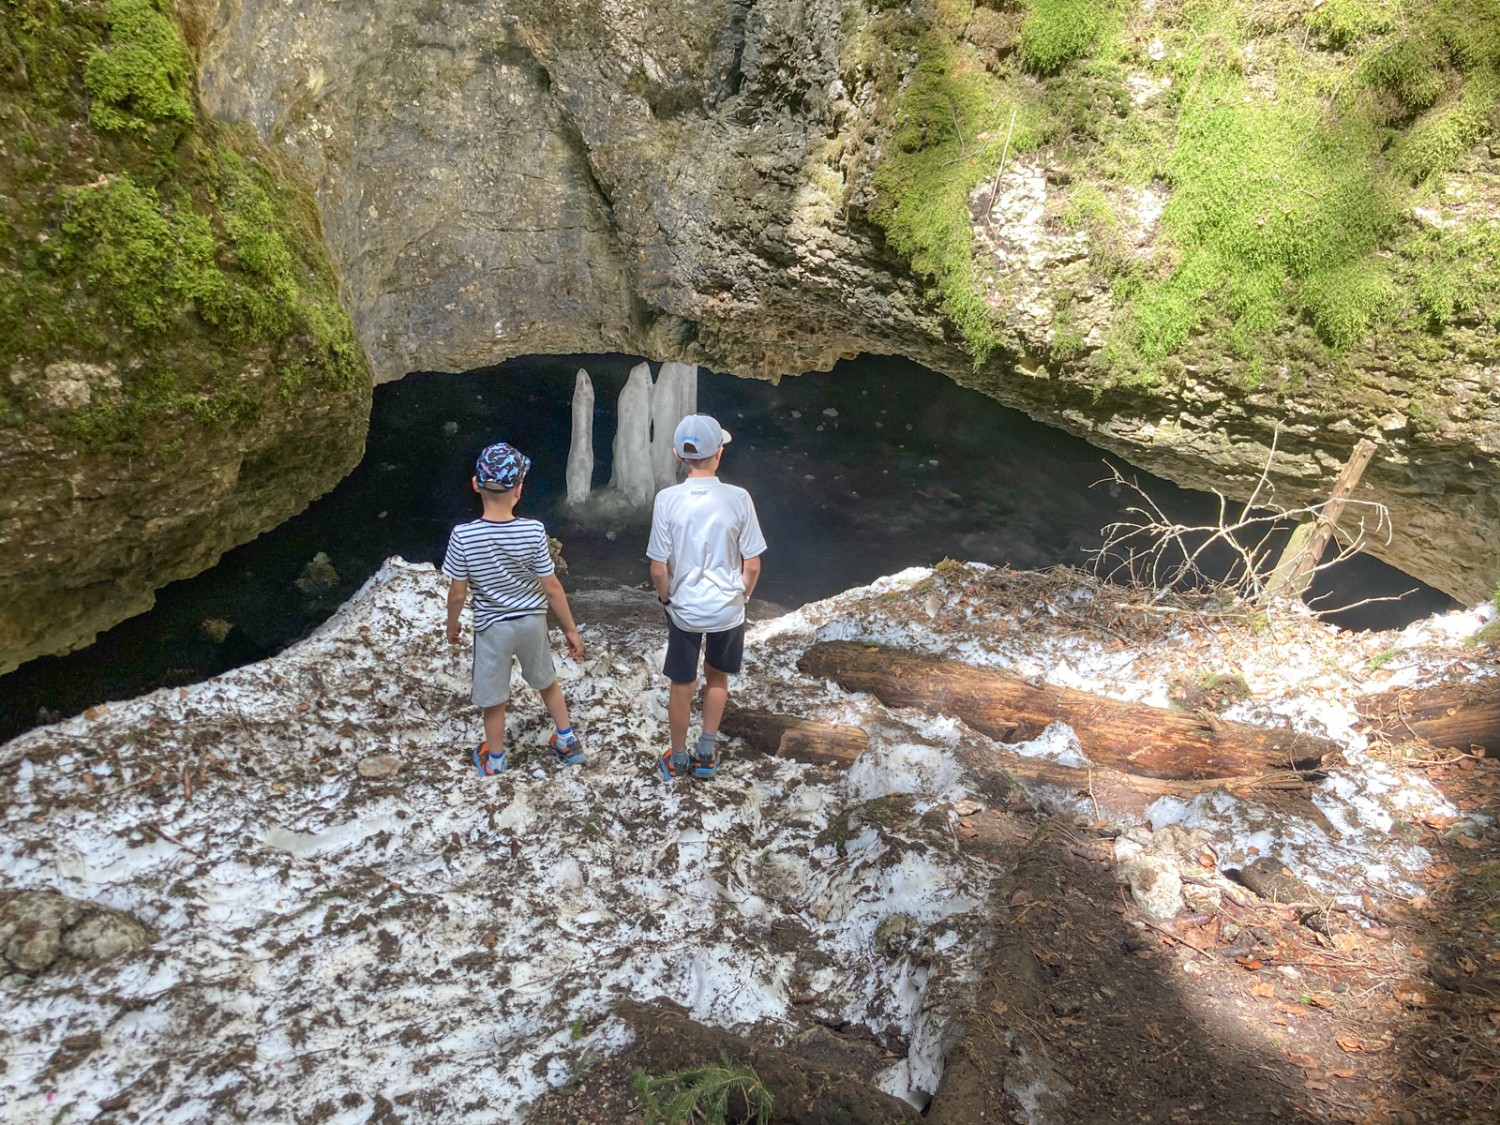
(699, 437)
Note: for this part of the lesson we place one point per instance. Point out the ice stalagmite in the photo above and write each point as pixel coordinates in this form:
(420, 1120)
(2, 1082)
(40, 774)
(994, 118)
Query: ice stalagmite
(633, 477)
(675, 397)
(580, 472)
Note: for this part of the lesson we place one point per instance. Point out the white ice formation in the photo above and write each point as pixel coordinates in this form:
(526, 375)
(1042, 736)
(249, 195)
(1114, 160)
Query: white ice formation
(675, 397)
(580, 471)
(633, 477)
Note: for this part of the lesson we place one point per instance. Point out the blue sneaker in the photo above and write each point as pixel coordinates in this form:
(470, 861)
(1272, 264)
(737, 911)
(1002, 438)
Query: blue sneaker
(482, 761)
(671, 768)
(705, 759)
(569, 752)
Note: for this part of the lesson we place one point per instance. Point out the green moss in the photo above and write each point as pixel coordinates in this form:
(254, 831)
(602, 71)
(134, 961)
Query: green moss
(951, 120)
(146, 260)
(174, 248)
(141, 78)
(1447, 131)
(1456, 272)
(1347, 21)
(1055, 32)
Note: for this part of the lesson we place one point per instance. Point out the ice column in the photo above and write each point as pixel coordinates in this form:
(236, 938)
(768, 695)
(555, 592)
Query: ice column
(675, 397)
(633, 477)
(580, 472)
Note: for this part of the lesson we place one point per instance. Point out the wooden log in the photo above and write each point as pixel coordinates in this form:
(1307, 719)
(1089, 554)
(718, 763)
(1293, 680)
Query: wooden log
(1131, 737)
(805, 740)
(1455, 716)
(1299, 559)
(802, 740)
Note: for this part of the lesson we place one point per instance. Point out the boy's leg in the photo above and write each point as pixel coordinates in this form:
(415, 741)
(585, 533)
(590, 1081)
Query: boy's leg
(489, 755)
(681, 669)
(492, 658)
(557, 706)
(566, 746)
(715, 697)
(494, 728)
(725, 654)
(534, 651)
(679, 714)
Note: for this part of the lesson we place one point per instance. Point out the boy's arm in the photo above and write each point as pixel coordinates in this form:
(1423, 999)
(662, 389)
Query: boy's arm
(750, 574)
(458, 593)
(558, 600)
(661, 578)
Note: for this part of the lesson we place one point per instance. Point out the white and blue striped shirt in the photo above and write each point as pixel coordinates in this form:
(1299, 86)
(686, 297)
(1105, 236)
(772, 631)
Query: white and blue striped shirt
(504, 562)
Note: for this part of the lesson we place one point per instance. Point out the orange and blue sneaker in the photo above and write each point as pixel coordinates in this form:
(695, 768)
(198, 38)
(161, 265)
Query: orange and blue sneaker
(705, 758)
(566, 749)
(486, 763)
(672, 767)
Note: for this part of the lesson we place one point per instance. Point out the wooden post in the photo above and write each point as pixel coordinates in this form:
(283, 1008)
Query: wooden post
(1299, 560)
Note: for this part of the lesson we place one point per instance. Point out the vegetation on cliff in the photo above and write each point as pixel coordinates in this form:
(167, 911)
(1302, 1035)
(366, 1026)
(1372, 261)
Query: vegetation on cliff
(174, 253)
(1299, 150)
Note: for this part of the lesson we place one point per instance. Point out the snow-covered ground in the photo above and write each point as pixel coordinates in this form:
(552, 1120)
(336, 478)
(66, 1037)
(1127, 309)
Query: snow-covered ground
(329, 941)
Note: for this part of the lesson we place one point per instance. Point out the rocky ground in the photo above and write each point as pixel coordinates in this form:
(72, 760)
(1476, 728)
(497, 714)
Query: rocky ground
(336, 920)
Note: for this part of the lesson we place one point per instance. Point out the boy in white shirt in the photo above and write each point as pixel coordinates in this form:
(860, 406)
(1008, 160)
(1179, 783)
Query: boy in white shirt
(705, 550)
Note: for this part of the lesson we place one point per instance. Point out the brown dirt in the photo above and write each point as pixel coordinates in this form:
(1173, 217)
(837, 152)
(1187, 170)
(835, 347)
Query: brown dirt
(1259, 1013)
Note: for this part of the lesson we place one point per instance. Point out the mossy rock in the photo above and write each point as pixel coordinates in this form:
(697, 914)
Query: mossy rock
(176, 372)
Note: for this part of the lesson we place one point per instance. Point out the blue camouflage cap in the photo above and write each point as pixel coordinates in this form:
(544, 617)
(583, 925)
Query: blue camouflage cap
(501, 466)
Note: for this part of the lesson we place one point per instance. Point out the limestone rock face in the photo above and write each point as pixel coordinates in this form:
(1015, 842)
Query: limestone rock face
(176, 373)
(693, 181)
(40, 928)
(522, 176)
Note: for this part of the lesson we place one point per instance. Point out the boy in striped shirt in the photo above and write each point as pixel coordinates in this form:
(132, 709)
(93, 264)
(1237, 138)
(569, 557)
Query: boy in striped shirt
(502, 560)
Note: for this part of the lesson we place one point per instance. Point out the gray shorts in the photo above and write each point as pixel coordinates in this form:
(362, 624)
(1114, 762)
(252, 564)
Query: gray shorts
(524, 638)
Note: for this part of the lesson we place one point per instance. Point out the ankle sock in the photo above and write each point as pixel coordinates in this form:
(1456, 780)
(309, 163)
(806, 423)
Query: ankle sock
(679, 757)
(705, 743)
(565, 734)
(495, 760)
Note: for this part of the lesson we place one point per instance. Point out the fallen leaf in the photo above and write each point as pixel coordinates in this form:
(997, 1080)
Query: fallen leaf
(967, 833)
(1320, 1001)
(1248, 962)
(1306, 1062)
(965, 822)
(999, 1007)
(1262, 988)
(489, 941)
(1346, 1073)
(1349, 1043)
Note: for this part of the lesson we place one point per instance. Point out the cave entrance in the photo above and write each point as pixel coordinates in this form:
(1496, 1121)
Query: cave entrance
(875, 466)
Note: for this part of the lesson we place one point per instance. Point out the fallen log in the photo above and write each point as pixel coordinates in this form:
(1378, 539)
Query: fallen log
(787, 736)
(1132, 737)
(1454, 716)
(805, 740)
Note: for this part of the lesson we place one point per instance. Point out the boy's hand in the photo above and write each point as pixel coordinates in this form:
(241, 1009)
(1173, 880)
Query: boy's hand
(575, 644)
(455, 632)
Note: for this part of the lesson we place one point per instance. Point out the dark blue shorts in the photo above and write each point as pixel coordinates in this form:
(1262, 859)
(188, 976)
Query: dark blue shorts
(726, 650)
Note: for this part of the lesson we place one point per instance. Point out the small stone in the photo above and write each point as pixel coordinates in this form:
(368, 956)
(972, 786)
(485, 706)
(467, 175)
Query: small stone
(380, 767)
(894, 934)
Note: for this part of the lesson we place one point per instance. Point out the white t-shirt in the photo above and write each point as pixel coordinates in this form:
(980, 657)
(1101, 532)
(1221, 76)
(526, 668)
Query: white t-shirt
(704, 529)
